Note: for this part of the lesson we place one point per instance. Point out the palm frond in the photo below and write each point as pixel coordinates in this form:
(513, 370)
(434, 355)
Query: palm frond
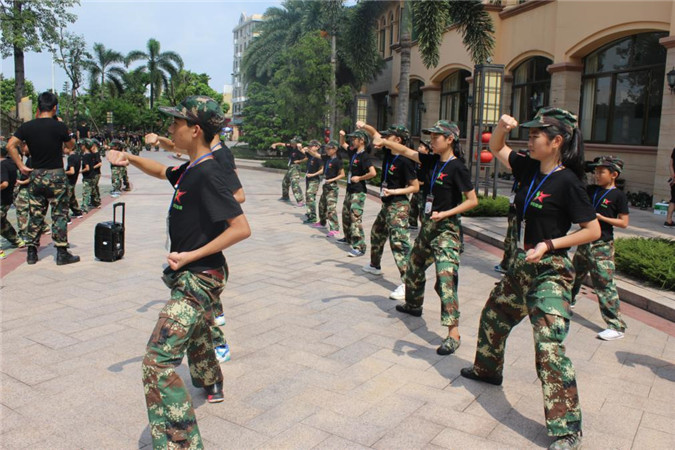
(476, 27)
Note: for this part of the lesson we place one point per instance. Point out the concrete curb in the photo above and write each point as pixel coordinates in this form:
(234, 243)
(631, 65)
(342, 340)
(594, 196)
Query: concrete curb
(629, 291)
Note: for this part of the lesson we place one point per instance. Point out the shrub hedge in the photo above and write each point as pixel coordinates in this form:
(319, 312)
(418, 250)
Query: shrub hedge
(648, 259)
(490, 207)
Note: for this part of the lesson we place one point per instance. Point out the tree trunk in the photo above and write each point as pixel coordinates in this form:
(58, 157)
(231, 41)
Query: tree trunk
(333, 85)
(152, 94)
(404, 78)
(19, 77)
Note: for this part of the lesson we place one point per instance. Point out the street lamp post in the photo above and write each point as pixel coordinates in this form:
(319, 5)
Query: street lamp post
(361, 108)
(486, 110)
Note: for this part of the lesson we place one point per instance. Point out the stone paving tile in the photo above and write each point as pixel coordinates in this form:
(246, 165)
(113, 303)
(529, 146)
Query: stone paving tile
(320, 359)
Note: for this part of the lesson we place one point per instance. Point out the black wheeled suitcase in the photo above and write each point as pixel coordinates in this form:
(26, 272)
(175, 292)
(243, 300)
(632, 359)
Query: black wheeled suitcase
(109, 238)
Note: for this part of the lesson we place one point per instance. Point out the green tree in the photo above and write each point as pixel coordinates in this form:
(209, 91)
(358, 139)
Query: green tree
(7, 87)
(31, 26)
(187, 83)
(105, 67)
(71, 54)
(159, 65)
(262, 123)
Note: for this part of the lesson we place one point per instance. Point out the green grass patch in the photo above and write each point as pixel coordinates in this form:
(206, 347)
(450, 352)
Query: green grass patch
(490, 207)
(244, 152)
(648, 259)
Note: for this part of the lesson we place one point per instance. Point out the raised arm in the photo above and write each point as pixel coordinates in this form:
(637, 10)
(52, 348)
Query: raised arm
(368, 129)
(147, 165)
(13, 150)
(397, 148)
(163, 142)
(498, 145)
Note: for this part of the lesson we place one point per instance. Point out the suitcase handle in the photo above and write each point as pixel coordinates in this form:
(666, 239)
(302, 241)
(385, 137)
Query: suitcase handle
(115, 205)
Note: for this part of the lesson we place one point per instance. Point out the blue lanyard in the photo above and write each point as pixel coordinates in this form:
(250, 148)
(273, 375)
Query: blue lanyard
(386, 170)
(351, 163)
(595, 205)
(195, 162)
(325, 167)
(528, 197)
(435, 175)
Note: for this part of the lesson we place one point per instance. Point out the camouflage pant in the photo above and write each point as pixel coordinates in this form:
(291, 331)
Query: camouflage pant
(352, 220)
(117, 176)
(216, 331)
(416, 208)
(437, 242)
(183, 326)
(292, 179)
(541, 291)
(88, 193)
(72, 199)
(21, 205)
(47, 185)
(96, 192)
(6, 229)
(598, 259)
(328, 206)
(392, 222)
(311, 188)
(511, 240)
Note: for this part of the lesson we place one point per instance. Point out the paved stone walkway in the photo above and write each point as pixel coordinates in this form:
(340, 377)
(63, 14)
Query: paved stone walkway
(320, 358)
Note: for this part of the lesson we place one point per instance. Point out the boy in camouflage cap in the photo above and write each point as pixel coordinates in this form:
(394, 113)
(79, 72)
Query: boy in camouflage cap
(117, 173)
(292, 177)
(611, 207)
(196, 273)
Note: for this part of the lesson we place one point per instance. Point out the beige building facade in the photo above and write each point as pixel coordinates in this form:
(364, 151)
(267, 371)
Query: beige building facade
(604, 60)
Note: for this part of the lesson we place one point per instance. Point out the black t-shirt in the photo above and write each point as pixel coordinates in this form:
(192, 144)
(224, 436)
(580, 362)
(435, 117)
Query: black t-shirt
(225, 159)
(84, 131)
(45, 138)
(313, 166)
(224, 156)
(7, 173)
(88, 160)
(359, 165)
(554, 206)
(609, 203)
(397, 171)
(199, 210)
(294, 154)
(447, 181)
(75, 161)
(96, 158)
(331, 167)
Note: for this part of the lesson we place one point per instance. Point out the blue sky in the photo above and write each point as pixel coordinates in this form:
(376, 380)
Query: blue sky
(200, 31)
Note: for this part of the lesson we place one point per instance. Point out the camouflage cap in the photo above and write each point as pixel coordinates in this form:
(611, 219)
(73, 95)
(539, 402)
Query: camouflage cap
(612, 162)
(398, 130)
(116, 143)
(314, 143)
(360, 134)
(89, 143)
(443, 127)
(95, 142)
(548, 116)
(3, 148)
(332, 144)
(296, 140)
(199, 109)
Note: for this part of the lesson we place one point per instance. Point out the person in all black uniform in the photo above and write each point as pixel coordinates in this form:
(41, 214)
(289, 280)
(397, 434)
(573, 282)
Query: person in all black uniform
(539, 281)
(8, 176)
(74, 164)
(203, 220)
(46, 136)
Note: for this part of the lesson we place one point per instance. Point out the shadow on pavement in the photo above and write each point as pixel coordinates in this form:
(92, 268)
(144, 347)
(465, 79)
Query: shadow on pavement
(662, 369)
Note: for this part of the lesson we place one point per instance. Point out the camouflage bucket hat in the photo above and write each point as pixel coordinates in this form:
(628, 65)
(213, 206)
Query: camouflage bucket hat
(443, 127)
(397, 130)
(548, 116)
(199, 109)
(314, 143)
(360, 134)
(612, 162)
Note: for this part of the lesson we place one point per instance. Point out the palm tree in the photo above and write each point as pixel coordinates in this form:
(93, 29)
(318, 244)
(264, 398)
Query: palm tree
(159, 65)
(103, 68)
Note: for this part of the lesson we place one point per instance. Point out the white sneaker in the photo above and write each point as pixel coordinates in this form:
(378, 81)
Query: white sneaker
(610, 335)
(220, 320)
(372, 270)
(398, 293)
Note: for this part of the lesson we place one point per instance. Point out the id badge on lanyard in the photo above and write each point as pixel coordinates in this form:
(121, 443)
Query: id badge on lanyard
(429, 204)
(383, 186)
(349, 177)
(167, 244)
(521, 234)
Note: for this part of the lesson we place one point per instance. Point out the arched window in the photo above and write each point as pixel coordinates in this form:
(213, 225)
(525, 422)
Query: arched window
(391, 32)
(382, 36)
(622, 90)
(454, 95)
(531, 91)
(415, 105)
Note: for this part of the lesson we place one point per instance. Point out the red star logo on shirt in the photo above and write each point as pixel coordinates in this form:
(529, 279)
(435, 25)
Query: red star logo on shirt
(179, 194)
(606, 202)
(540, 198)
(441, 176)
(392, 168)
(356, 161)
(175, 168)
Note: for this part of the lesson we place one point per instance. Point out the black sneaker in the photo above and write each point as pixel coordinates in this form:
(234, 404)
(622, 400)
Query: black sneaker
(567, 442)
(342, 241)
(405, 308)
(214, 393)
(32, 256)
(669, 224)
(468, 372)
(412, 227)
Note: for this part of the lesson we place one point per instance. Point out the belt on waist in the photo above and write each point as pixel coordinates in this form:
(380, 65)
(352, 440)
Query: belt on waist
(217, 273)
(48, 170)
(558, 251)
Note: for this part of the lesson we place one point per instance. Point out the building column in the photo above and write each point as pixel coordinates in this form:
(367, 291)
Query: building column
(432, 104)
(566, 85)
(666, 128)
